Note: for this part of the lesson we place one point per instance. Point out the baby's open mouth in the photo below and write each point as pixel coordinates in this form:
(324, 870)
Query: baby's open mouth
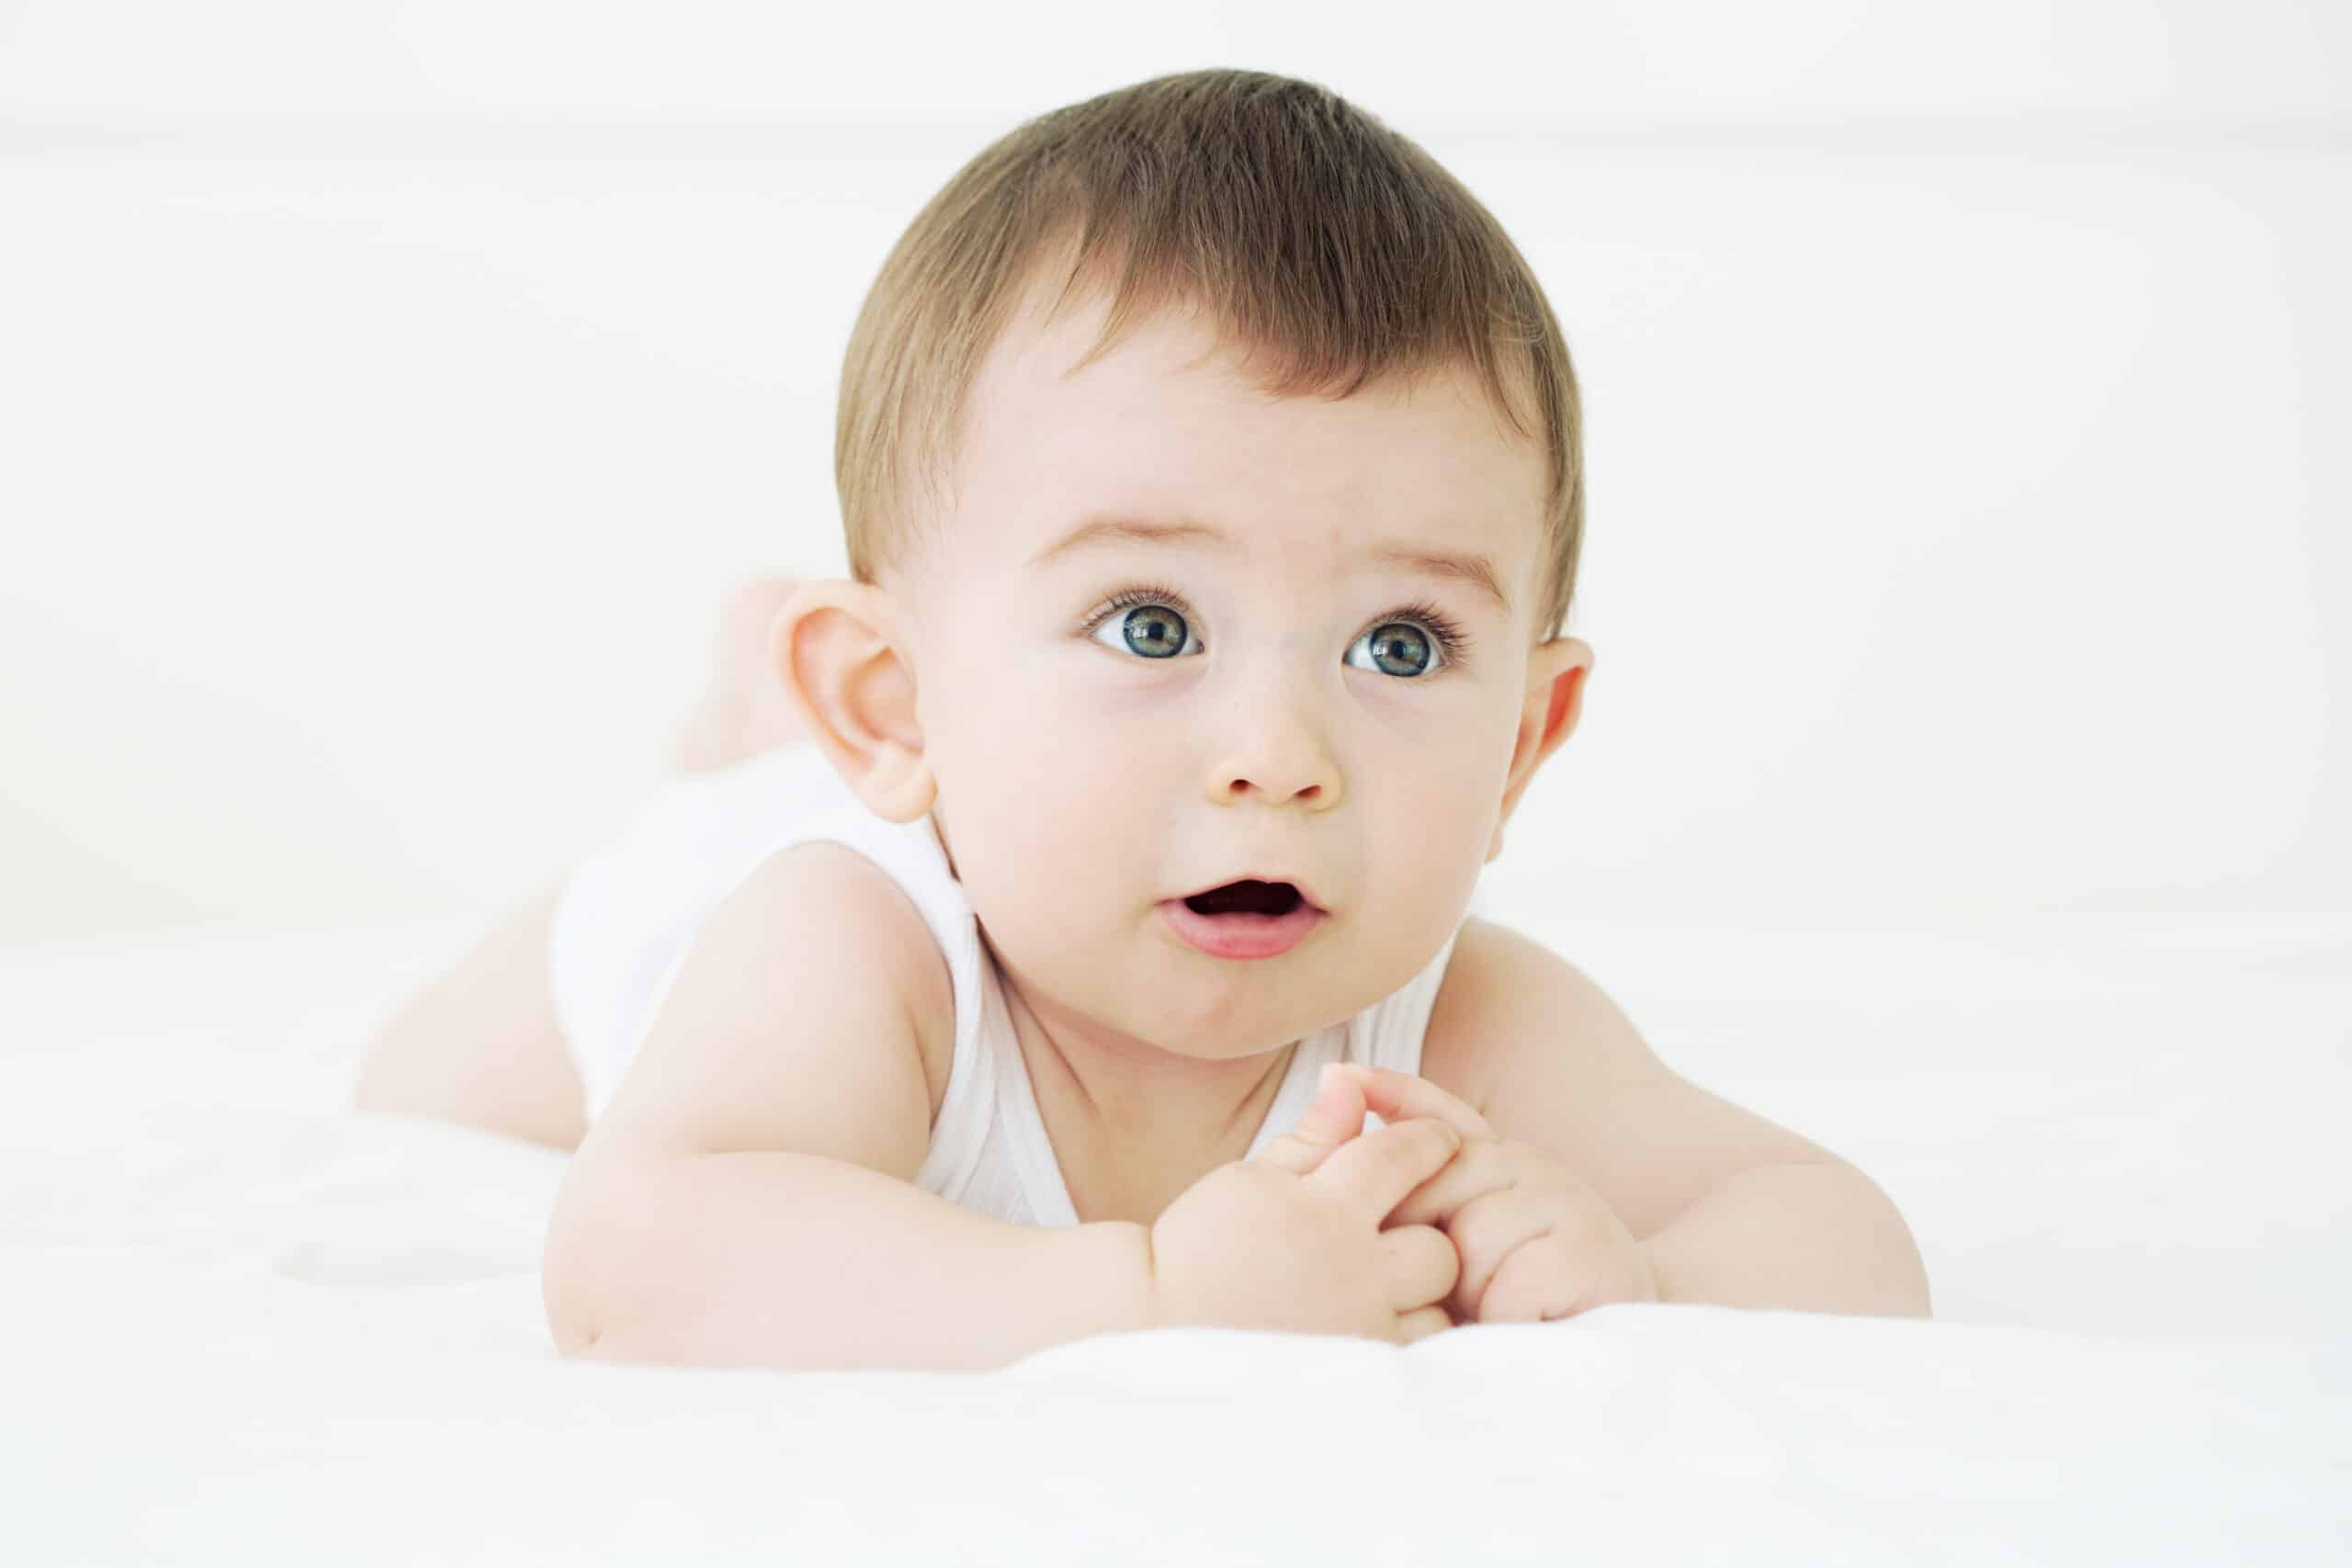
(1244, 918)
(1246, 898)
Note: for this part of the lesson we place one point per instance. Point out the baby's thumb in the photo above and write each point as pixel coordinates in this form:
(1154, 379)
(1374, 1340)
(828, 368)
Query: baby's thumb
(1331, 1117)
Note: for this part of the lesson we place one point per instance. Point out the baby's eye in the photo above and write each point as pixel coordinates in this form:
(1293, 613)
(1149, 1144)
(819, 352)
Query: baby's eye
(1403, 644)
(1152, 629)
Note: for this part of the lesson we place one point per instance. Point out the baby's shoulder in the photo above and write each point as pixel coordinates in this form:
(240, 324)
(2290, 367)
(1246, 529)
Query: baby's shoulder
(848, 886)
(1459, 1051)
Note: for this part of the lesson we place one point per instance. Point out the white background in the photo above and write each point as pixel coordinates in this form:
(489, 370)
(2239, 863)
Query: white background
(389, 394)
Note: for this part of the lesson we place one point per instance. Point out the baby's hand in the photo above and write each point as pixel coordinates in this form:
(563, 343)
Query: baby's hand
(1536, 1243)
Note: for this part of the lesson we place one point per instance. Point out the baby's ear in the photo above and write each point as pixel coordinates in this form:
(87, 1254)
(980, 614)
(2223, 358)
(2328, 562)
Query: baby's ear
(1556, 678)
(839, 651)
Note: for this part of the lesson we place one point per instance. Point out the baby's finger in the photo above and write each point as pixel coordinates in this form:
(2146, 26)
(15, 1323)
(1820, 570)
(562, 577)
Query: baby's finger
(1488, 1232)
(1421, 1266)
(1476, 1169)
(1375, 1171)
(1394, 1096)
(1423, 1321)
(1334, 1116)
(1531, 1285)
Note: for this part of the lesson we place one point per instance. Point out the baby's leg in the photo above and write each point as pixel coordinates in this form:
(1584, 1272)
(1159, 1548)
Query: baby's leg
(744, 711)
(480, 1046)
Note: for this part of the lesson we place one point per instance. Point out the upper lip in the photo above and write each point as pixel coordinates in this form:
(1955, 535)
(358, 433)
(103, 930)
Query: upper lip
(1303, 890)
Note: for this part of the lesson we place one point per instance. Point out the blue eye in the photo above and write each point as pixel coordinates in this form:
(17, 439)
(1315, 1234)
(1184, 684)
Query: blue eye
(1152, 628)
(1406, 643)
(1412, 642)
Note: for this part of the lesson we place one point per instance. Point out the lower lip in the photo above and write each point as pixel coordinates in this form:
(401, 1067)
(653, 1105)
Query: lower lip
(1240, 935)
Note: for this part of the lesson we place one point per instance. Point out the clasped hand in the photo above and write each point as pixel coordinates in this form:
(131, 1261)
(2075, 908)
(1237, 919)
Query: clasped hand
(1536, 1243)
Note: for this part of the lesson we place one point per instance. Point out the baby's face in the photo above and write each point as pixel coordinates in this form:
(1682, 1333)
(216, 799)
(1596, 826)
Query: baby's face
(1268, 703)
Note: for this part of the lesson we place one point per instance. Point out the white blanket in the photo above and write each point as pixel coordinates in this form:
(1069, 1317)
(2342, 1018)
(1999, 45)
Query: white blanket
(241, 1325)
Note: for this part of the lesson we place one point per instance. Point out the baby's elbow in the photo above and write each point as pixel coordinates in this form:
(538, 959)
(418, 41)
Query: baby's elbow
(574, 1340)
(573, 1332)
(1903, 1283)
(575, 1322)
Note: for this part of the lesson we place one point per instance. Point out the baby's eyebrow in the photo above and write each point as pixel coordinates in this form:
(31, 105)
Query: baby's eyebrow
(1474, 571)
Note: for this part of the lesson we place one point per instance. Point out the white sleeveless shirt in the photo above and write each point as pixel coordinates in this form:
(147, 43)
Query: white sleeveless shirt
(630, 913)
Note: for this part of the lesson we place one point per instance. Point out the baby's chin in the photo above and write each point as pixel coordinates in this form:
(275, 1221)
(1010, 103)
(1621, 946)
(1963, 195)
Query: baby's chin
(1186, 1024)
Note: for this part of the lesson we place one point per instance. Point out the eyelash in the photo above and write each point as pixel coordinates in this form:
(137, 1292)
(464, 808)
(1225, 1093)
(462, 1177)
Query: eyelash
(1453, 642)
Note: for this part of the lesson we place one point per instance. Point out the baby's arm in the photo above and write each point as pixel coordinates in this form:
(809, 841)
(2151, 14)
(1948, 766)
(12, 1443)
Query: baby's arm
(749, 1198)
(1730, 1208)
(772, 1258)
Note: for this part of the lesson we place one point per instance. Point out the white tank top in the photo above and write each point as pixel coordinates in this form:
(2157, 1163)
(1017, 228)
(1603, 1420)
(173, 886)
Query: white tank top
(630, 913)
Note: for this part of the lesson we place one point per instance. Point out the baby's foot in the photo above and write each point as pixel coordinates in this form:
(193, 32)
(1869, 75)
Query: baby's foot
(745, 710)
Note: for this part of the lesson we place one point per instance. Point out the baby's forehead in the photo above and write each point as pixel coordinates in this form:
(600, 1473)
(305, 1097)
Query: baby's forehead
(1260, 499)
(1170, 427)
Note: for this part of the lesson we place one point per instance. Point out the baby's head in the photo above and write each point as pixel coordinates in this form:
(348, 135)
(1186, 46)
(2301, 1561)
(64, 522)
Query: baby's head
(1211, 468)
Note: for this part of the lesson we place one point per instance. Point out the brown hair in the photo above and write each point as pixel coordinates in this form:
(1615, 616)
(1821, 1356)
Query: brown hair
(1308, 231)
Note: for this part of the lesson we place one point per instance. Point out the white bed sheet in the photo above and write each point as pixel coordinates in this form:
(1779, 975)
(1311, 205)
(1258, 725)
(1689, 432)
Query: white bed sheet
(245, 1325)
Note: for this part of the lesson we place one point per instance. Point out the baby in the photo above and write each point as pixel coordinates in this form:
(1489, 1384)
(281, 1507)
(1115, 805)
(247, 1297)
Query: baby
(1050, 903)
